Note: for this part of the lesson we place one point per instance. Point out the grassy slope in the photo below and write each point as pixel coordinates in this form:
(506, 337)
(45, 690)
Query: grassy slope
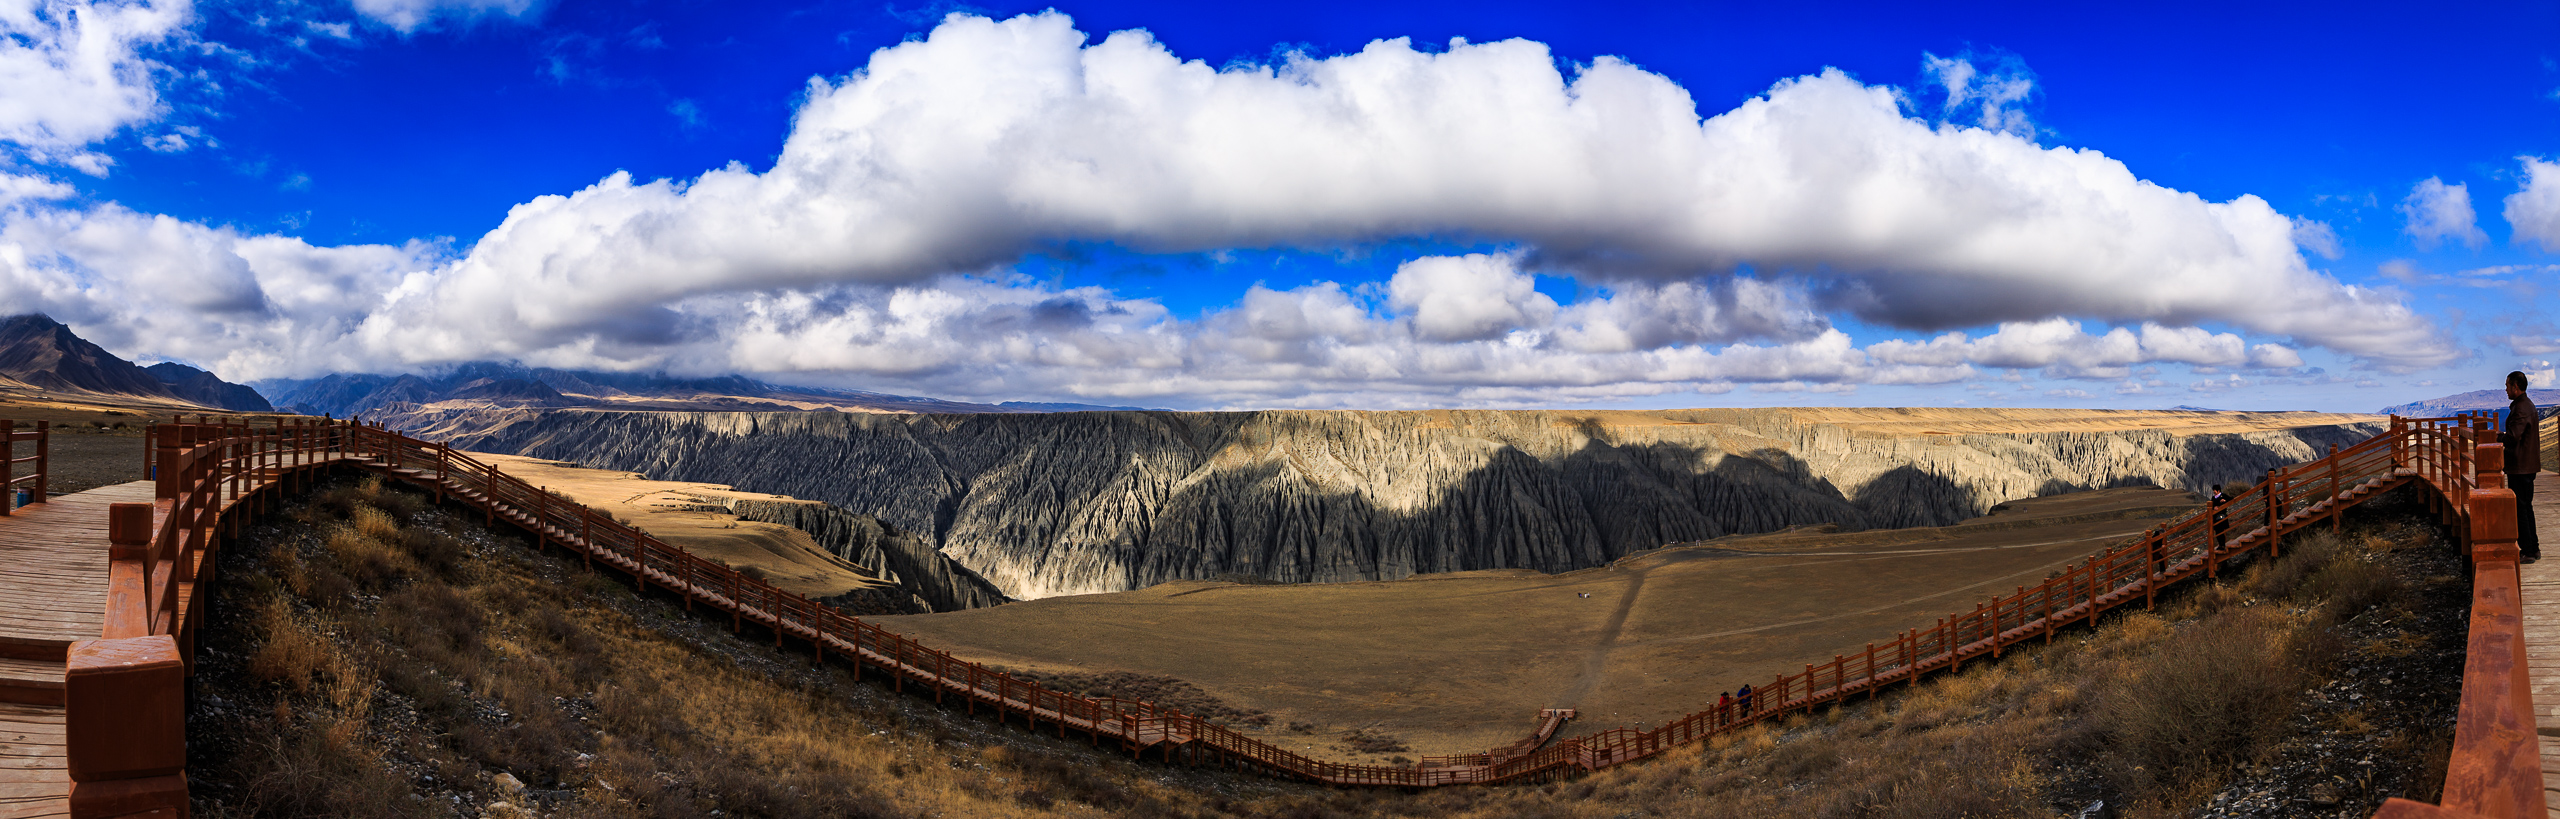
(370, 656)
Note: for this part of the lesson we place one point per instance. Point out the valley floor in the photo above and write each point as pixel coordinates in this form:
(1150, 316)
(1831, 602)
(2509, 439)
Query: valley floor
(1457, 663)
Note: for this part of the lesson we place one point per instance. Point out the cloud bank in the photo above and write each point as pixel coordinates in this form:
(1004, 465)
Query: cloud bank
(875, 250)
(991, 139)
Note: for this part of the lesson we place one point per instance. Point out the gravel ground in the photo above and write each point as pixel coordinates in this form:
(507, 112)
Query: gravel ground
(81, 462)
(2393, 700)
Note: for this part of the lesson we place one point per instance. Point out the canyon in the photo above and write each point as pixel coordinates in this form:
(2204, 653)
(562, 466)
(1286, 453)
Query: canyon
(1043, 505)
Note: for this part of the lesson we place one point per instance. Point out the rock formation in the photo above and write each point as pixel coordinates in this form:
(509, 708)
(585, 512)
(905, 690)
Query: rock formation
(900, 558)
(1071, 503)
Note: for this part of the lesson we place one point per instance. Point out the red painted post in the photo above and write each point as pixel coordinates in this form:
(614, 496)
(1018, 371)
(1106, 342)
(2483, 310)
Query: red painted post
(1995, 626)
(44, 460)
(2337, 505)
(125, 726)
(1871, 672)
(2151, 572)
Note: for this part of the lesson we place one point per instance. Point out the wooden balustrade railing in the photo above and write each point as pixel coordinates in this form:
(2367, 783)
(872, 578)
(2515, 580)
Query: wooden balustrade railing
(31, 484)
(207, 470)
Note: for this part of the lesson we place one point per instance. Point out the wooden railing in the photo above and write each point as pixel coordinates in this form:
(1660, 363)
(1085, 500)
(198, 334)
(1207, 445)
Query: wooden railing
(31, 485)
(207, 471)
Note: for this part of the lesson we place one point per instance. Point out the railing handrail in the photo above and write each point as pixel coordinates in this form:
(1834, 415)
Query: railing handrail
(210, 465)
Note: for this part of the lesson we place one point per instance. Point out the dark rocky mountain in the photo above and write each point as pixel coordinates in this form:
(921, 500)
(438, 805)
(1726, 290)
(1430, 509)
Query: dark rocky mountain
(39, 352)
(204, 388)
(491, 384)
(2474, 400)
(1071, 503)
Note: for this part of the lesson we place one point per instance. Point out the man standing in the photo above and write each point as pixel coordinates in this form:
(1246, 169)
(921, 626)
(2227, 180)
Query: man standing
(2523, 438)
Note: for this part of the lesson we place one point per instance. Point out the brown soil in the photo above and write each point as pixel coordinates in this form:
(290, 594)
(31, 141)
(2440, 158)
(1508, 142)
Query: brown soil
(1456, 663)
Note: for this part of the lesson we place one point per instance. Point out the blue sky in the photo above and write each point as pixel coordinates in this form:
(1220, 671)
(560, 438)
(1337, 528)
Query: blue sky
(1613, 205)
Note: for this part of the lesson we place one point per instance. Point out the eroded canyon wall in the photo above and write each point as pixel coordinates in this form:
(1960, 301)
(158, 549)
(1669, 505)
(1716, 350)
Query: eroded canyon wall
(1071, 503)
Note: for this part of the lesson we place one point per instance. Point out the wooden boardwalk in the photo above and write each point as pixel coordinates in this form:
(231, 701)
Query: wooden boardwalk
(53, 561)
(221, 473)
(2541, 585)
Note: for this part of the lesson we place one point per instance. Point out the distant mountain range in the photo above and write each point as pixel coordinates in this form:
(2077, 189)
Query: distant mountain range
(493, 384)
(40, 355)
(41, 358)
(2470, 401)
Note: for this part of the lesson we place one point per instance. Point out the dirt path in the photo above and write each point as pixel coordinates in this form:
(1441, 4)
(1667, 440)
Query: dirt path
(1598, 661)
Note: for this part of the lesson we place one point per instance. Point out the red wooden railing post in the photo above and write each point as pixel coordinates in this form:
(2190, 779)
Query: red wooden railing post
(44, 460)
(8, 466)
(2337, 505)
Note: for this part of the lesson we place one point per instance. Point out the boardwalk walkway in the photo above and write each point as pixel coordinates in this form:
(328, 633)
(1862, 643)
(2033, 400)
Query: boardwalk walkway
(2541, 583)
(53, 561)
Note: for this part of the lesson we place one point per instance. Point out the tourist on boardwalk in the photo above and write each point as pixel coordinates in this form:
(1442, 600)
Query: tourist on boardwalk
(2523, 438)
(1742, 702)
(1724, 708)
(2221, 518)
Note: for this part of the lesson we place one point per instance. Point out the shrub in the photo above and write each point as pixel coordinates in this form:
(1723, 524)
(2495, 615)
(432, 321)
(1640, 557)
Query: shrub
(2215, 696)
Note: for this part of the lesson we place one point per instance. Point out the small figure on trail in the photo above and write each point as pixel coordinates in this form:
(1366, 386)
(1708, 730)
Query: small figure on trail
(1742, 701)
(2522, 435)
(2221, 517)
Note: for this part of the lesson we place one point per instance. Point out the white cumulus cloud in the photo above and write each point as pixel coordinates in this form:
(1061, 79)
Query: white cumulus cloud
(1468, 298)
(2535, 210)
(74, 73)
(962, 151)
(2438, 212)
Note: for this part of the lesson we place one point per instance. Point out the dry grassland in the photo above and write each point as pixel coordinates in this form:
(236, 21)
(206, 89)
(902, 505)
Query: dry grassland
(681, 513)
(370, 656)
(1457, 663)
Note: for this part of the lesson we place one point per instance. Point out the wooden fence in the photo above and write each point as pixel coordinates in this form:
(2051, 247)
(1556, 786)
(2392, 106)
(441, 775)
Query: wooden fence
(210, 472)
(19, 490)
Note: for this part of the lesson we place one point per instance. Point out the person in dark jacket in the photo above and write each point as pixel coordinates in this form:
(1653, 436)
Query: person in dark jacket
(2523, 439)
(1742, 703)
(2221, 516)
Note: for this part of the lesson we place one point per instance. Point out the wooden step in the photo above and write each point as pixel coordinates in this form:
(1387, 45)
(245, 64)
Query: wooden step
(32, 682)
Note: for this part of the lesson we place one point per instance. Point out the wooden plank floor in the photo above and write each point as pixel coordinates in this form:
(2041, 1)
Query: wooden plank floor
(53, 591)
(53, 570)
(2542, 632)
(35, 777)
